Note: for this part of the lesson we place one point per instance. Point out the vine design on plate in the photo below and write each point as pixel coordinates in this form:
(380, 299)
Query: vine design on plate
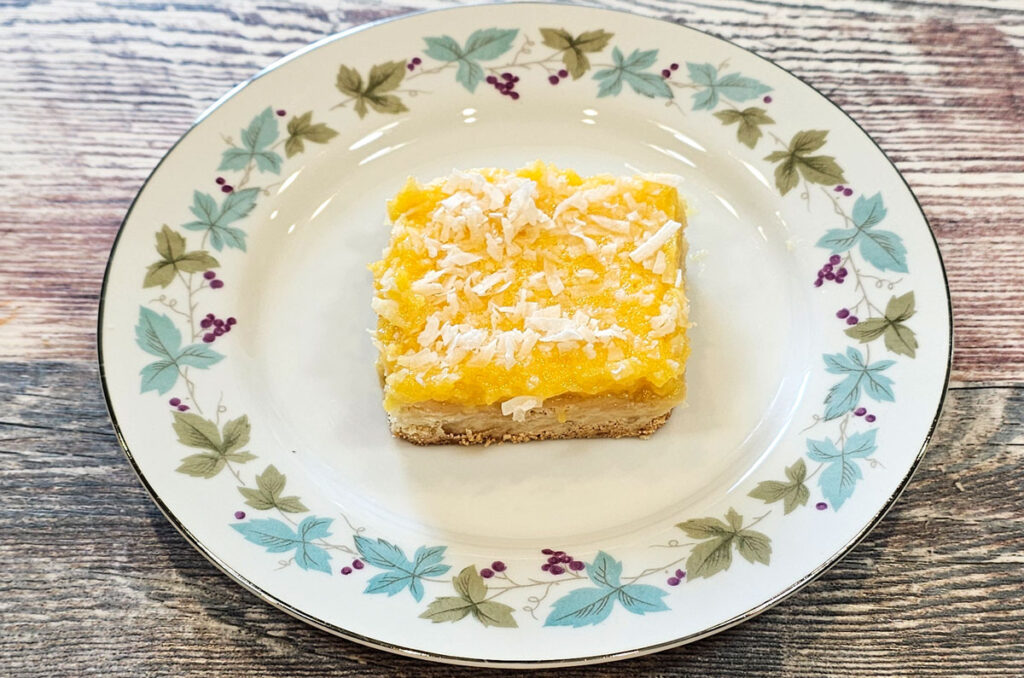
(174, 330)
(566, 591)
(858, 250)
(476, 590)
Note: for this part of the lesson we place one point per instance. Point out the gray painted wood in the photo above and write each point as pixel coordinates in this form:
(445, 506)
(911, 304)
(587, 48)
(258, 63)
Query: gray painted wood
(93, 580)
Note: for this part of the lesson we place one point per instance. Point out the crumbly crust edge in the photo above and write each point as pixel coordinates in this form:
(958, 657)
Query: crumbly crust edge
(419, 434)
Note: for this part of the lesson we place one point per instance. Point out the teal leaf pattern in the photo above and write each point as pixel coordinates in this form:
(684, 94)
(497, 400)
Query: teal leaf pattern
(469, 74)
(198, 355)
(859, 376)
(582, 607)
(883, 249)
(841, 473)
(443, 48)
(732, 86)
(482, 45)
(631, 70)
(592, 605)
(156, 334)
(868, 212)
(214, 219)
(159, 376)
(642, 598)
(256, 138)
(399, 573)
(277, 536)
(489, 43)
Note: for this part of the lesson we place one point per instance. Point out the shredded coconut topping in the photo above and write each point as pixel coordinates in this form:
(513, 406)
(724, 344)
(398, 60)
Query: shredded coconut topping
(519, 406)
(654, 242)
(537, 267)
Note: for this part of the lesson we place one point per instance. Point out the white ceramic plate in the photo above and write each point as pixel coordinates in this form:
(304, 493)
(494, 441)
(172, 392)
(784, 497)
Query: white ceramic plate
(809, 404)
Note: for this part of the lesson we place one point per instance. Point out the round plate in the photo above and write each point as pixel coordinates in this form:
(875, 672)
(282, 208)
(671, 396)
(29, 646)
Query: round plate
(241, 377)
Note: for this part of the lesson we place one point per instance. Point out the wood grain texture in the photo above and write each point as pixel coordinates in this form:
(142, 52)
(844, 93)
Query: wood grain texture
(96, 92)
(95, 581)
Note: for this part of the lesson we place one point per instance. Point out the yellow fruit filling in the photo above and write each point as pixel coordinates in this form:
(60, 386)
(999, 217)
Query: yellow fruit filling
(515, 287)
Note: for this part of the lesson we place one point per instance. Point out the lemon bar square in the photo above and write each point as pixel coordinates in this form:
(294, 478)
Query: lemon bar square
(532, 304)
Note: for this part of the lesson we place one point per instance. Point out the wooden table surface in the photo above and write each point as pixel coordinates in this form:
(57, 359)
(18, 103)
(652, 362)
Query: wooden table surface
(94, 581)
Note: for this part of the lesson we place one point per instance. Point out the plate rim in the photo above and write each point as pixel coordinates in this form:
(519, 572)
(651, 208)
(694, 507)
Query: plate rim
(440, 657)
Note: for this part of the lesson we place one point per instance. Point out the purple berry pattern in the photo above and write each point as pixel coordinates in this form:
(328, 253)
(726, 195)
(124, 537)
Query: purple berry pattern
(832, 271)
(212, 280)
(863, 412)
(558, 562)
(505, 84)
(215, 327)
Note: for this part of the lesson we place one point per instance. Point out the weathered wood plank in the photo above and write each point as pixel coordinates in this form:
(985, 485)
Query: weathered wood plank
(95, 580)
(96, 93)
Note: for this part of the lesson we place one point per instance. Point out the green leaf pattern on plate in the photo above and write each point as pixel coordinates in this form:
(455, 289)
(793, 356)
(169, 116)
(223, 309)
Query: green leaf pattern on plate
(574, 50)
(382, 79)
(796, 163)
(267, 493)
(792, 492)
(174, 260)
(713, 554)
(472, 600)
(302, 129)
(750, 120)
